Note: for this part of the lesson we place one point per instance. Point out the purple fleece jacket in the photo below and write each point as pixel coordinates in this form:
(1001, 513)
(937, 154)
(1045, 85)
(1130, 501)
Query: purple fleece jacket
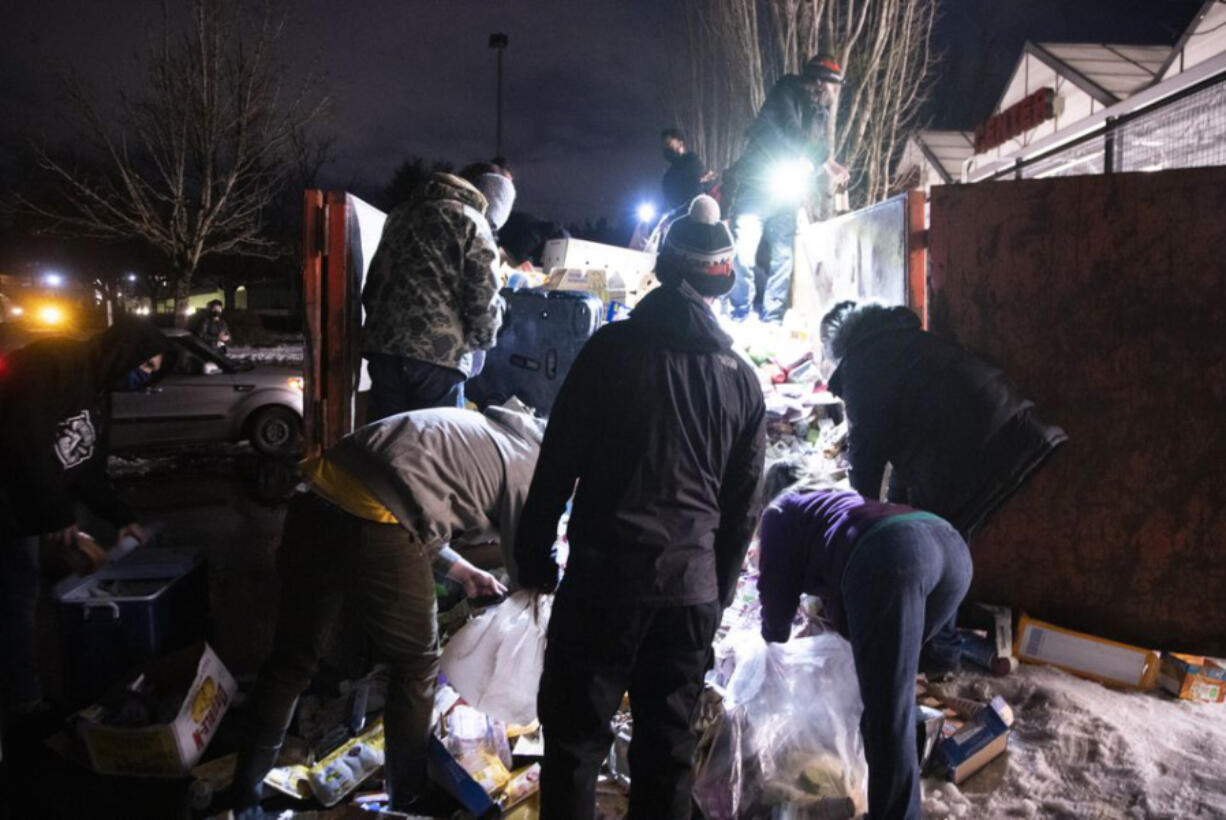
(804, 543)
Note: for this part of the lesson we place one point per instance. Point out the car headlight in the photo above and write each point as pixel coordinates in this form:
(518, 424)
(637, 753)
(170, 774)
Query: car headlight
(50, 315)
(296, 382)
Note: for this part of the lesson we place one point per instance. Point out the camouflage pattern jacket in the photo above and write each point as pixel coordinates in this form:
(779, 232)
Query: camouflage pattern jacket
(432, 290)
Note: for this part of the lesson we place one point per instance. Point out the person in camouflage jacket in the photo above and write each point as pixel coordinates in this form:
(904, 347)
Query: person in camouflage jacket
(431, 298)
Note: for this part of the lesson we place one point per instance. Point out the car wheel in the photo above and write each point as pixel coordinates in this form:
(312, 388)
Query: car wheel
(276, 431)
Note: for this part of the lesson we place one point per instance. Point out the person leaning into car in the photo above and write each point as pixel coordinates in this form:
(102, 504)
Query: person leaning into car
(54, 420)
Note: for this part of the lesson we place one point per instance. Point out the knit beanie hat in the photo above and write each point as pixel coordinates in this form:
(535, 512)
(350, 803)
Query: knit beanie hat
(824, 68)
(500, 194)
(698, 249)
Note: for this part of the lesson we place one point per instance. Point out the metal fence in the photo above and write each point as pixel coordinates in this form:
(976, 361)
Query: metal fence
(1187, 130)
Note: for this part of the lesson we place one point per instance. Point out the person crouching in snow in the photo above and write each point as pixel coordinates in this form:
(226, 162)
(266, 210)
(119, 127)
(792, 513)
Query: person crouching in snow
(889, 577)
(662, 426)
(383, 505)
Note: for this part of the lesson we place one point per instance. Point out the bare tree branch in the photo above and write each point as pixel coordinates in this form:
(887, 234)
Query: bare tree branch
(736, 48)
(193, 159)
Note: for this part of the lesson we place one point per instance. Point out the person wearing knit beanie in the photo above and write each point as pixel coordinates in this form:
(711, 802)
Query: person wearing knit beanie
(698, 249)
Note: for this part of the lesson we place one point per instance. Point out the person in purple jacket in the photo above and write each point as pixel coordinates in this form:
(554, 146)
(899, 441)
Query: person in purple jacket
(888, 577)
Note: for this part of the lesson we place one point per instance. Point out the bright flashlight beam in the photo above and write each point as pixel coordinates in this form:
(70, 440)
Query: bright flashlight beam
(647, 212)
(53, 280)
(790, 180)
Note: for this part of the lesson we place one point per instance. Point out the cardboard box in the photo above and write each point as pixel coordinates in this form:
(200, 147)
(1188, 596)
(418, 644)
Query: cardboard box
(168, 749)
(977, 743)
(1193, 677)
(1109, 662)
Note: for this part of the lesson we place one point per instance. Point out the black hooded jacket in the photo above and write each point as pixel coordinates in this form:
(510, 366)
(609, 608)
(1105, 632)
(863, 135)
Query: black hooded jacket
(790, 125)
(960, 437)
(663, 427)
(54, 419)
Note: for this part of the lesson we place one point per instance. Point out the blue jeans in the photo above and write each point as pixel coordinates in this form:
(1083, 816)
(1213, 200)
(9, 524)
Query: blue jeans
(18, 623)
(779, 236)
(399, 384)
(903, 581)
(747, 234)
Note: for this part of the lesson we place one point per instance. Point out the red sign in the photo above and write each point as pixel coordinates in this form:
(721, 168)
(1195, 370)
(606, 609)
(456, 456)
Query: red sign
(1017, 119)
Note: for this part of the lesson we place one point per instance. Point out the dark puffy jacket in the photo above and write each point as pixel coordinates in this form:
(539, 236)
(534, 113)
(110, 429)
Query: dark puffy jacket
(683, 180)
(790, 125)
(54, 425)
(432, 290)
(663, 427)
(960, 437)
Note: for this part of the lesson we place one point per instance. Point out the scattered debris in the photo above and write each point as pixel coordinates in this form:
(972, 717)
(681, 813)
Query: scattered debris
(1193, 677)
(1098, 659)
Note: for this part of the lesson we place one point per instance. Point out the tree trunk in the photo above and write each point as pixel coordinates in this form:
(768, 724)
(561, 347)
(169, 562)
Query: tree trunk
(183, 290)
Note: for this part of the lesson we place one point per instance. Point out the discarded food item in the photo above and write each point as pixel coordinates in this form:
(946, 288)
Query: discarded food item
(977, 743)
(495, 661)
(293, 780)
(1193, 677)
(167, 748)
(983, 652)
(1098, 659)
(480, 746)
(522, 785)
(928, 723)
(446, 771)
(619, 756)
(344, 770)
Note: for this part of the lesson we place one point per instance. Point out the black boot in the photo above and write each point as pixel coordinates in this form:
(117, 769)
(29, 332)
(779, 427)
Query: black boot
(254, 761)
(404, 775)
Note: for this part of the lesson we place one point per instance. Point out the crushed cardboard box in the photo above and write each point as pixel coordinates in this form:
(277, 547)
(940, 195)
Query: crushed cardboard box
(165, 749)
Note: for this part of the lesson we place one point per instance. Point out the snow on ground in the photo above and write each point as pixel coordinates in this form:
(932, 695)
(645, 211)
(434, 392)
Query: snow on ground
(287, 353)
(1080, 750)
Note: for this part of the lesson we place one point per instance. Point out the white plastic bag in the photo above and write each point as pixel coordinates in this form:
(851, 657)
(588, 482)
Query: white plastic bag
(790, 739)
(495, 661)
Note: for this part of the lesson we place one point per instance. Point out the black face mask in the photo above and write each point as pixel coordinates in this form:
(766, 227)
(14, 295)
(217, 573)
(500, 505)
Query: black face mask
(137, 379)
(672, 155)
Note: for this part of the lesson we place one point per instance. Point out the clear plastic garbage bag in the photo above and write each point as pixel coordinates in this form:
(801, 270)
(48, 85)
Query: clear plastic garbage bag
(789, 745)
(495, 661)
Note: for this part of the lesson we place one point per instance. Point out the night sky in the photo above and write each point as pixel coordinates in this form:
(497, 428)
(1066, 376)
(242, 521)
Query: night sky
(586, 85)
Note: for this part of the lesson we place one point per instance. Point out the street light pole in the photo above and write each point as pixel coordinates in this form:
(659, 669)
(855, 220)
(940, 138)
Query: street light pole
(499, 42)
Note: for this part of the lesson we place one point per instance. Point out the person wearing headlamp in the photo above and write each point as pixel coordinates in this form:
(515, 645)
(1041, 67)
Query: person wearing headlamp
(787, 161)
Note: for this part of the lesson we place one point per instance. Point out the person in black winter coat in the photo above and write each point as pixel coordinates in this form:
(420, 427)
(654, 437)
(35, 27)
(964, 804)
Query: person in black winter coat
(790, 137)
(661, 425)
(54, 420)
(960, 437)
(687, 176)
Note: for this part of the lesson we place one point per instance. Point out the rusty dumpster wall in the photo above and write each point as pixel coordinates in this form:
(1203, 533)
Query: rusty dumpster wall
(1104, 298)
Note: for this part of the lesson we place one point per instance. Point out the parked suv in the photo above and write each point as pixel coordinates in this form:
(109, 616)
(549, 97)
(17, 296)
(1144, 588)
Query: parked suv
(202, 395)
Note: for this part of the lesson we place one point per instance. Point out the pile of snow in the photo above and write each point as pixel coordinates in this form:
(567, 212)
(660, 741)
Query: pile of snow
(1080, 750)
(287, 354)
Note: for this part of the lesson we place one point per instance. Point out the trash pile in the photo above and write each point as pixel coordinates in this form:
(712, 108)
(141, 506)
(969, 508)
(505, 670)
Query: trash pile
(803, 419)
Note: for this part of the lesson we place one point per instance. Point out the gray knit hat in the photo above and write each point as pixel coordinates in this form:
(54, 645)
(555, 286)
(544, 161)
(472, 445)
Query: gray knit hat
(698, 248)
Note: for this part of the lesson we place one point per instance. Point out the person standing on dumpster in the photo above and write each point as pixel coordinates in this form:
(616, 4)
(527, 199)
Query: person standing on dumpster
(960, 437)
(54, 436)
(431, 296)
(788, 152)
(889, 577)
(659, 433)
(384, 503)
